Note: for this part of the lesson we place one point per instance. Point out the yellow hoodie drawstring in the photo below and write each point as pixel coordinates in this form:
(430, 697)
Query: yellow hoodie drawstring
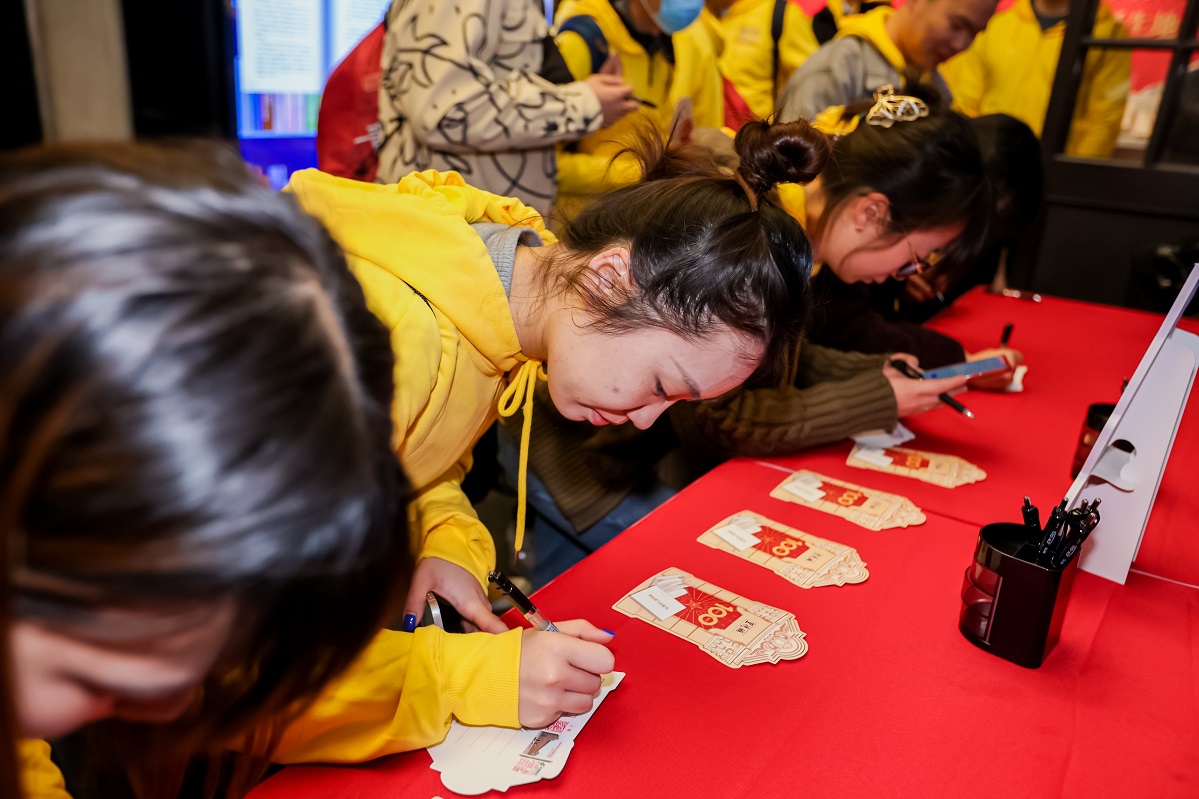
(518, 395)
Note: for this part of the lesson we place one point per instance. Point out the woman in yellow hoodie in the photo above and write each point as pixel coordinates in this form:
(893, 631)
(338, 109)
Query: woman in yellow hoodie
(675, 288)
(198, 504)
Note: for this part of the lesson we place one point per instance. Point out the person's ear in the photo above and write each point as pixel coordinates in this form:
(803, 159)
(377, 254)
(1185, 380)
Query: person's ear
(609, 271)
(871, 212)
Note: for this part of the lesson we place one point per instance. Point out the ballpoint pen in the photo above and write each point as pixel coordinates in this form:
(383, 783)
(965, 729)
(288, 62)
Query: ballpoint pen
(907, 370)
(1053, 530)
(1032, 520)
(1007, 334)
(522, 603)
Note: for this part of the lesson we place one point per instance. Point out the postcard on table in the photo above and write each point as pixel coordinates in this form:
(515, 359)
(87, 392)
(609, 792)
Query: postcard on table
(475, 760)
(947, 471)
(794, 555)
(735, 630)
(874, 510)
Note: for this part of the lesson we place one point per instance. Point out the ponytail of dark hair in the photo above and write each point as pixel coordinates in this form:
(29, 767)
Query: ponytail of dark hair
(707, 247)
(194, 407)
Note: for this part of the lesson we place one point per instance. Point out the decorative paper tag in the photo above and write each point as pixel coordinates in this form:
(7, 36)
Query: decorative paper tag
(872, 509)
(947, 471)
(794, 555)
(731, 628)
(881, 438)
(475, 760)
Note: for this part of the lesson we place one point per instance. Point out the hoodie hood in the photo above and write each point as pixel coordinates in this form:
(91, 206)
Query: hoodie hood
(419, 231)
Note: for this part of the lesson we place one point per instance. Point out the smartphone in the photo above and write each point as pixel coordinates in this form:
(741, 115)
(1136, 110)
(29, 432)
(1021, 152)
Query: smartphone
(440, 613)
(967, 368)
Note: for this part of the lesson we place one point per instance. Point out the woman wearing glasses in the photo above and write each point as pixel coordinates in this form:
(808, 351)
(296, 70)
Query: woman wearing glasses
(895, 199)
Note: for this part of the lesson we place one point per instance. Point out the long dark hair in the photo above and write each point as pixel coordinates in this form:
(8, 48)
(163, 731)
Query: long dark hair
(194, 407)
(930, 170)
(706, 244)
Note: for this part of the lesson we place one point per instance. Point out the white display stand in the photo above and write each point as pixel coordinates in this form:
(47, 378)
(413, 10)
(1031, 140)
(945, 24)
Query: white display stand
(1147, 417)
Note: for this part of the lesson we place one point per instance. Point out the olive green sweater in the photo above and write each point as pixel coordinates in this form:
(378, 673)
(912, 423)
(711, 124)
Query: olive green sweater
(589, 470)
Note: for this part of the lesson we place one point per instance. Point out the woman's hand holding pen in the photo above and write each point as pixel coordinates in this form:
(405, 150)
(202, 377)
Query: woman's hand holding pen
(917, 396)
(561, 672)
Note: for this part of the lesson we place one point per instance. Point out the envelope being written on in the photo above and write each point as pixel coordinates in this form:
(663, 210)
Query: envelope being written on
(475, 760)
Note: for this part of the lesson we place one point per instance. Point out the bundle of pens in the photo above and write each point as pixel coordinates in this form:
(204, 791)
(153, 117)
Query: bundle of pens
(1058, 543)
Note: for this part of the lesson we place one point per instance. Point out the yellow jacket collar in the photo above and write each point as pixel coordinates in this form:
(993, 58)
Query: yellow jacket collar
(872, 26)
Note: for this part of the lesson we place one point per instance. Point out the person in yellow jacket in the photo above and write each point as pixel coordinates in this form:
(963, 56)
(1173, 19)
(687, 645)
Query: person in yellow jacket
(661, 54)
(1011, 65)
(758, 43)
(884, 46)
(201, 519)
(668, 289)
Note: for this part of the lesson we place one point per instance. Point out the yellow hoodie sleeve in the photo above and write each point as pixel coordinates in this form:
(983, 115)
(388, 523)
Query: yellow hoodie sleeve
(452, 530)
(1100, 107)
(40, 778)
(401, 693)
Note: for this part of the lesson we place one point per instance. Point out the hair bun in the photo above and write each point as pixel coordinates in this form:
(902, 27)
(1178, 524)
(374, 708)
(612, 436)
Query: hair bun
(786, 152)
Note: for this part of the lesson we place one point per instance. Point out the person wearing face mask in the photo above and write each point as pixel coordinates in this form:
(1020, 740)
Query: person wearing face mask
(884, 46)
(658, 52)
(890, 198)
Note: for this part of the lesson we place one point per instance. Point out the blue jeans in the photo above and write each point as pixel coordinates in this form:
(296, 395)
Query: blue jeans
(554, 548)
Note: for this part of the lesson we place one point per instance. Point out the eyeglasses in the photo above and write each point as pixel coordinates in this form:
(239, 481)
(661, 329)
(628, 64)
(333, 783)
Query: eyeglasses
(918, 265)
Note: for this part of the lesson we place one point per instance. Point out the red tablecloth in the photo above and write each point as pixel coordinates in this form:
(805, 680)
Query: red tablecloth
(1078, 354)
(891, 700)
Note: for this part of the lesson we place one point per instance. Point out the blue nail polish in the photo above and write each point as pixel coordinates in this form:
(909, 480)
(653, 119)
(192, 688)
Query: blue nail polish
(409, 622)
(609, 632)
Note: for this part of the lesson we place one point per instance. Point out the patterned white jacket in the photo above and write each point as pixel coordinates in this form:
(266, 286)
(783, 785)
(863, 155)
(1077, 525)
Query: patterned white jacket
(461, 91)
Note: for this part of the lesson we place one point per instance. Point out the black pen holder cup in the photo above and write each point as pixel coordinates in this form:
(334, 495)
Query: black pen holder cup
(1012, 607)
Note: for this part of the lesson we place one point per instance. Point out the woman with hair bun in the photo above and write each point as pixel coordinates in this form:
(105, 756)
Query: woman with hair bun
(598, 482)
(678, 287)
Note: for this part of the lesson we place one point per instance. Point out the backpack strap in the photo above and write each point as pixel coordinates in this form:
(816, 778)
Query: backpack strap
(589, 30)
(776, 33)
